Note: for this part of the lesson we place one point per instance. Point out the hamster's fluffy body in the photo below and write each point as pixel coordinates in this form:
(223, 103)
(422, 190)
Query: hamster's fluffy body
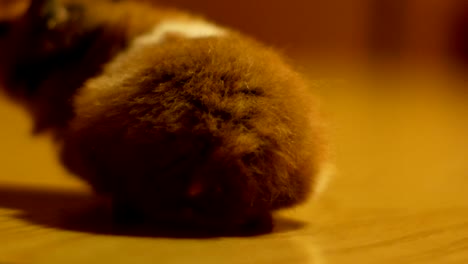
(169, 115)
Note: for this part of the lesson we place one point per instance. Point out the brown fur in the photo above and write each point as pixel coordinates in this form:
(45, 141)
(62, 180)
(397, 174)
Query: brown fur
(213, 131)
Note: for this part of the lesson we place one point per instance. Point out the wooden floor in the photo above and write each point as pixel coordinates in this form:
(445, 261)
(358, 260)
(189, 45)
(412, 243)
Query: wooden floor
(400, 193)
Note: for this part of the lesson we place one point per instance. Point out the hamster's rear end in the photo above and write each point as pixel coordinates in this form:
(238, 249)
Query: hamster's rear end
(216, 130)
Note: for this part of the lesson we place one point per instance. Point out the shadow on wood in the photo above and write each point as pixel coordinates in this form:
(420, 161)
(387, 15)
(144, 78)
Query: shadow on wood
(83, 212)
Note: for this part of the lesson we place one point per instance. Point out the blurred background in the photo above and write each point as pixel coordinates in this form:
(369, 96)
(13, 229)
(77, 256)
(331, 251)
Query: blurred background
(418, 31)
(429, 33)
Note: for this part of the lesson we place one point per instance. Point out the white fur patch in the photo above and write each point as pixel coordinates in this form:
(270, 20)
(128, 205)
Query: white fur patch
(188, 29)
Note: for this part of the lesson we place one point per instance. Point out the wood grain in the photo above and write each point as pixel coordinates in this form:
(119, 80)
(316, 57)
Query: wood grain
(400, 194)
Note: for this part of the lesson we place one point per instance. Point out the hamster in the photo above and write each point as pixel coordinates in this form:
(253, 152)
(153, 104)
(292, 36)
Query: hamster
(174, 118)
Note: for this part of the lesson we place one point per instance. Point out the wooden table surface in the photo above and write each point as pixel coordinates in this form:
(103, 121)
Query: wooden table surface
(400, 193)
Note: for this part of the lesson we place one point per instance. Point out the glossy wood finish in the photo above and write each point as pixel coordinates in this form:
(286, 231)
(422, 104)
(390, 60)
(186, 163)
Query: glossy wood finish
(400, 194)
